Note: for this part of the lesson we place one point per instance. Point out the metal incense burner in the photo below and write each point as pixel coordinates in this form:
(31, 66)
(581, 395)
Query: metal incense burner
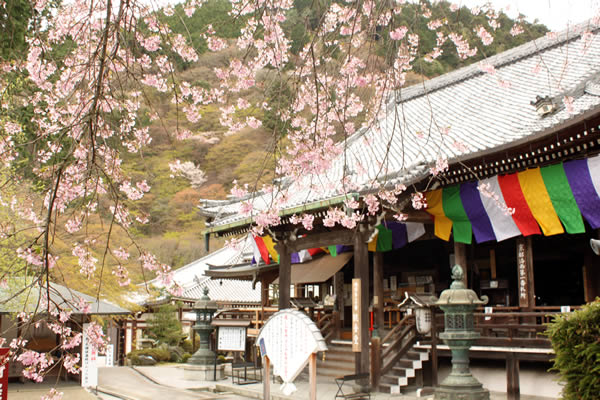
(458, 304)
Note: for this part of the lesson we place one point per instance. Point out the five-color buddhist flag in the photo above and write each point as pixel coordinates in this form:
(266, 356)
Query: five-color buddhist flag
(556, 198)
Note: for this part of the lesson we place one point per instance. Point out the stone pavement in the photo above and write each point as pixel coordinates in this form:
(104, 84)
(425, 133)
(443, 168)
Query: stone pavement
(166, 382)
(34, 391)
(172, 376)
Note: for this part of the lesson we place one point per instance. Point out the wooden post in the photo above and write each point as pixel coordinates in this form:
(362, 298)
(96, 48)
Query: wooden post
(375, 362)
(493, 264)
(525, 273)
(591, 274)
(460, 258)
(361, 271)
(312, 372)
(285, 275)
(434, 353)
(338, 291)
(337, 326)
(512, 377)
(378, 299)
(267, 378)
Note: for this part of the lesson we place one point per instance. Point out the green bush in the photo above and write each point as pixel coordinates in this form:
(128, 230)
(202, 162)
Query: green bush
(185, 357)
(160, 354)
(576, 341)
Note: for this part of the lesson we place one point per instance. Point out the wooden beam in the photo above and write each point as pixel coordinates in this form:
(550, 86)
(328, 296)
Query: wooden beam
(419, 216)
(320, 239)
(361, 270)
(285, 275)
(460, 258)
(378, 299)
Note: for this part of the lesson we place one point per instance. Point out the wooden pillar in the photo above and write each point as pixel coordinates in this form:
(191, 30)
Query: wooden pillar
(361, 271)
(525, 273)
(338, 291)
(285, 275)
(299, 290)
(312, 371)
(267, 378)
(460, 258)
(375, 362)
(591, 274)
(434, 352)
(512, 377)
(378, 289)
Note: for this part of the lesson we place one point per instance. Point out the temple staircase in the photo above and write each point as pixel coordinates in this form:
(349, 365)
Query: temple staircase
(405, 372)
(401, 363)
(337, 360)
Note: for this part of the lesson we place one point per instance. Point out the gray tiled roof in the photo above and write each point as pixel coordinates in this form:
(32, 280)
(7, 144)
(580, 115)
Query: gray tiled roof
(482, 114)
(14, 300)
(226, 290)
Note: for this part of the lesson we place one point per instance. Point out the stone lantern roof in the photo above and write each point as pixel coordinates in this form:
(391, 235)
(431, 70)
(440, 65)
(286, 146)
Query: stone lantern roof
(458, 294)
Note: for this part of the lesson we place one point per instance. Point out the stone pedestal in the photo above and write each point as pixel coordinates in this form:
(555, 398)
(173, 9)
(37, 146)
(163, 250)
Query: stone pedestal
(203, 372)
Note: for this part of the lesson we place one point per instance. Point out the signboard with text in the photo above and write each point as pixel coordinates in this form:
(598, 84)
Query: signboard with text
(522, 267)
(3, 373)
(110, 355)
(89, 367)
(231, 338)
(289, 337)
(356, 315)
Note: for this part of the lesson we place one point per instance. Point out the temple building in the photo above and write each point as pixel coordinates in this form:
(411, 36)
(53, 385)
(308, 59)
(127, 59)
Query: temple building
(516, 207)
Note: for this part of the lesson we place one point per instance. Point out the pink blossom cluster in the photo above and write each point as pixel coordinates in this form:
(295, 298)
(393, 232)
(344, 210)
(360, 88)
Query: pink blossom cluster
(418, 200)
(486, 190)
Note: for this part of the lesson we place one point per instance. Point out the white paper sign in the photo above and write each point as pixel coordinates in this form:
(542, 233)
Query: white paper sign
(89, 367)
(110, 355)
(488, 310)
(289, 338)
(232, 338)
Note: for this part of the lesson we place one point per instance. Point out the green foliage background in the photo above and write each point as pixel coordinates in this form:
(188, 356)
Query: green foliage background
(576, 341)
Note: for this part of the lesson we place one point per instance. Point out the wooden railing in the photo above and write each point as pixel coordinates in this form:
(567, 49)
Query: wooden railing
(509, 327)
(328, 324)
(397, 342)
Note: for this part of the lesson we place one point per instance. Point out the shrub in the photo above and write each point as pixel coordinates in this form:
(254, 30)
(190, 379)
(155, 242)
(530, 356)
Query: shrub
(160, 354)
(185, 357)
(576, 341)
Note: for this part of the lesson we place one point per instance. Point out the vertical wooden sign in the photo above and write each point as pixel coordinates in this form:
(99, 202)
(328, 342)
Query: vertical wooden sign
(525, 273)
(356, 317)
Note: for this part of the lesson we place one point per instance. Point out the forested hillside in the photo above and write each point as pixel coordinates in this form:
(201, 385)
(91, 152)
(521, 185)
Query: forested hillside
(214, 159)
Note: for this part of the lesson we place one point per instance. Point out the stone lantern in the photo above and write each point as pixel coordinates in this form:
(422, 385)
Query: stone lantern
(202, 365)
(458, 304)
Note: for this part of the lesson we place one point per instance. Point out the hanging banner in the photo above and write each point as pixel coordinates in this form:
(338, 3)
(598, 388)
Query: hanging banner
(356, 333)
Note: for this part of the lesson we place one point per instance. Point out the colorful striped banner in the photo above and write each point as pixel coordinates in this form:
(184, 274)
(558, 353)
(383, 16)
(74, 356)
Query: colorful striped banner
(393, 235)
(547, 197)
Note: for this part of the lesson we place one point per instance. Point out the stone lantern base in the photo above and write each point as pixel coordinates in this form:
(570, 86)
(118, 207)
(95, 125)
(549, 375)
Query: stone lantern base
(203, 372)
(474, 392)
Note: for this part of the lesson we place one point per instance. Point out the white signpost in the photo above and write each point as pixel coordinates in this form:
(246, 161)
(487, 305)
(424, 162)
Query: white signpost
(288, 340)
(89, 367)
